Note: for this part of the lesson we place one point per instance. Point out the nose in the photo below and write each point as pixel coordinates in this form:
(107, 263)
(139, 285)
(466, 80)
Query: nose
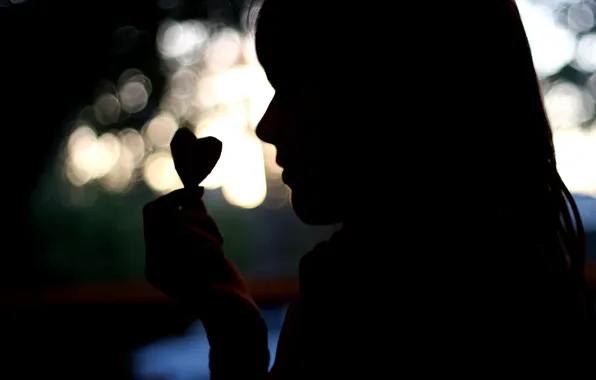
(268, 128)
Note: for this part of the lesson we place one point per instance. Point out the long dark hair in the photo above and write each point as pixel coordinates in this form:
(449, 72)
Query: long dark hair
(545, 214)
(564, 221)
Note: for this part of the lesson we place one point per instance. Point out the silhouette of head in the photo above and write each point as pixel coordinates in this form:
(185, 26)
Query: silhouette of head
(472, 141)
(327, 90)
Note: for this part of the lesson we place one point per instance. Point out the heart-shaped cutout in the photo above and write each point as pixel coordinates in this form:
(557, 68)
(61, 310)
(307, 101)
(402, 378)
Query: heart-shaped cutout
(194, 158)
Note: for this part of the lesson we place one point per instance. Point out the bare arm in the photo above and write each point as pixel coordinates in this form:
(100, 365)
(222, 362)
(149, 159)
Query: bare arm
(238, 345)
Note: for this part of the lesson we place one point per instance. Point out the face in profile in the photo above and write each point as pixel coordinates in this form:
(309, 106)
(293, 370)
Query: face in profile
(306, 120)
(303, 130)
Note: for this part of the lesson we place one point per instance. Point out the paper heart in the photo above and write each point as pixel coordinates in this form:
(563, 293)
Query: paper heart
(194, 158)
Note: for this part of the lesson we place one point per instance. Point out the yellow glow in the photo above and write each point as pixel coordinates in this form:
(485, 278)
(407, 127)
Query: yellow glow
(249, 51)
(576, 159)
(225, 97)
(232, 94)
(160, 174)
(183, 84)
(133, 142)
(223, 50)
(245, 185)
(272, 168)
(243, 93)
(160, 130)
(90, 157)
(120, 176)
(236, 84)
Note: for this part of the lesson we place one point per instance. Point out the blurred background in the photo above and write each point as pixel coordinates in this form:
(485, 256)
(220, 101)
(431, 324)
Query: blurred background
(96, 89)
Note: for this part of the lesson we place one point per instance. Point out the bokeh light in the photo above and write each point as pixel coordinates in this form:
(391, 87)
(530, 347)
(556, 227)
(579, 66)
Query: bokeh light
(216, 85)
(160, 174)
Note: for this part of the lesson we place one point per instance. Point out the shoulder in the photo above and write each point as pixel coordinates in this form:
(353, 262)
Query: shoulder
(324, 252)
(319, 265)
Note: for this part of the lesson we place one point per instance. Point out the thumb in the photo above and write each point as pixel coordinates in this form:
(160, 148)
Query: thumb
(172, 202)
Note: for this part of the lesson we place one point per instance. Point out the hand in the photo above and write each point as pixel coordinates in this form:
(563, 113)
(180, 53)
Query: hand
(185, 260)
(184, 256)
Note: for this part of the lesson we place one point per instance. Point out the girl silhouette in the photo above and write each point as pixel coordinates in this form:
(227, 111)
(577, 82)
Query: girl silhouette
(471, 255)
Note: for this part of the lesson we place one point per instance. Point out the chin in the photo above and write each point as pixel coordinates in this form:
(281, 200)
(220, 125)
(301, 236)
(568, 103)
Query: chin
(315, 209)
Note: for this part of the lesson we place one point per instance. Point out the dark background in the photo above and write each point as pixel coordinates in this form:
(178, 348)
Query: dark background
(55, 56)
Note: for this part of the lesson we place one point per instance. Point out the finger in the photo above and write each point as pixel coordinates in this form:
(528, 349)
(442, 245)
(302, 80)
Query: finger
(169, 203)
(202, 221)
(180, 246)
(201, 241)
(176, 198)
(172, 202)
(192, 262)
(193, 199)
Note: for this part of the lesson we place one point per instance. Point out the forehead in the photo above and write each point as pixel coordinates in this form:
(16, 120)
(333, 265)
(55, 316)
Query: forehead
(287, 40)
(275, 45)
